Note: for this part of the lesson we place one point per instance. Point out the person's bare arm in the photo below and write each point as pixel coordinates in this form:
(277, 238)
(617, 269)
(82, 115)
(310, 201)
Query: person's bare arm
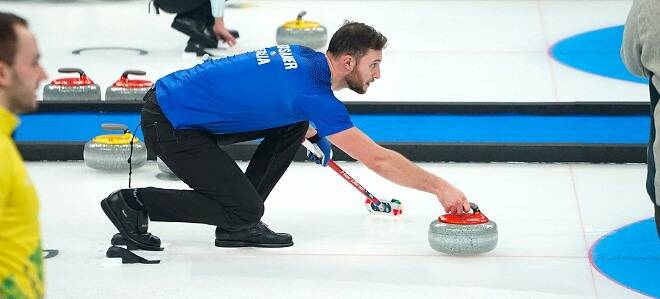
(222, 32)
(219, 29)
(397, 169)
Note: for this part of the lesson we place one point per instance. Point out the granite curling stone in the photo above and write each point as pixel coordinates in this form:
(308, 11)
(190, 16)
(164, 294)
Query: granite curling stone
(465, 234)
(80, 88)
(301, 32)
(111, 151)
(165, 172)
(125, 89)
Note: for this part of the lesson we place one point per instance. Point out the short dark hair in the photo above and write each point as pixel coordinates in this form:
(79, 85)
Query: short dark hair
(8, 36)
(356, 39)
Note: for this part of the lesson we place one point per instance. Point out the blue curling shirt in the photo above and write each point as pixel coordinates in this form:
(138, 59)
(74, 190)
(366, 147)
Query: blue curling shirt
(253, 91)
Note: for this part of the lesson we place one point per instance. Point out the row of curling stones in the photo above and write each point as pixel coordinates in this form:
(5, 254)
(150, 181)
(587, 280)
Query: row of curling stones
(112, 151)
(82, 88)
(465, 234)
(302, 32)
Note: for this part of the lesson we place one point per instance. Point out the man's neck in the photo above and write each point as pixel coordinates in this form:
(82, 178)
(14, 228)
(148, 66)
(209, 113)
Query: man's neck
(4, 101)
(338, 81)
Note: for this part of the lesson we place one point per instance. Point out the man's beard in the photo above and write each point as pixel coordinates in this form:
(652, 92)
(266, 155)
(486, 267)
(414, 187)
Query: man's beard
(353, 82)
(21, 97)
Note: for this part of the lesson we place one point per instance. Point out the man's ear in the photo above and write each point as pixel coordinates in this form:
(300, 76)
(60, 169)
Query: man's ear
(347, 62)
(5, 75)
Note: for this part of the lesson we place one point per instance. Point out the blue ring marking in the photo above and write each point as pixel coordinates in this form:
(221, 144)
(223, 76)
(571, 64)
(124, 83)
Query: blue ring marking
(631, 257)
(511, 128)
(595, 52)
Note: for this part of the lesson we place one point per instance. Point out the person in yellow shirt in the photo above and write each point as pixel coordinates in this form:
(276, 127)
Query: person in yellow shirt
(21, 268)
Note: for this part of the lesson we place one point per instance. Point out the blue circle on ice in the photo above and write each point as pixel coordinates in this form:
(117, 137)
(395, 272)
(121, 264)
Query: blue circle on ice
(631, 257)
(595, 52)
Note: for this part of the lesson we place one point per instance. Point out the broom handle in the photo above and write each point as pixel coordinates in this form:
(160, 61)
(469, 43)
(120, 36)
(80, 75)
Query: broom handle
(346, 176)
(353, 182)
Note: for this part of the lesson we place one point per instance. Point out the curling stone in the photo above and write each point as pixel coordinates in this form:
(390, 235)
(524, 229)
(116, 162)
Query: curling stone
(111, 151)
(163, 167)
(165, 172)
(300, 32)
(465, 234)
(81, 88)
(125, 89)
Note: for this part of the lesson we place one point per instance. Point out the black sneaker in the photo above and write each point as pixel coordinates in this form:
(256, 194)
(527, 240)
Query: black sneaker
(197, 47)
(256, 235)
(143, 227)
(131, 223)
(196, 30)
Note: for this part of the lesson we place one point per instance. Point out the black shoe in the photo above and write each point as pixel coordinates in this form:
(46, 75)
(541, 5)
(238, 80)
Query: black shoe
(196, 30)
(256, 235)
(194, 46)
(131, 223)
(198, 47)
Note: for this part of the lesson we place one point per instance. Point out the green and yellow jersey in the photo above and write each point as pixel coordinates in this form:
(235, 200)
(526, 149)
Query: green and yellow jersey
(21, 268)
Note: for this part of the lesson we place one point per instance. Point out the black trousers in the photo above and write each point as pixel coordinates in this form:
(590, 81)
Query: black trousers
(199, 10)
(221, 194)
(650, 161)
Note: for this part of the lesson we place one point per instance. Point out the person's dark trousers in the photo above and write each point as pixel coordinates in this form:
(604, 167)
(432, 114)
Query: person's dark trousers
(222, 194)
(194, 19)
(199, 10)
(650, 161)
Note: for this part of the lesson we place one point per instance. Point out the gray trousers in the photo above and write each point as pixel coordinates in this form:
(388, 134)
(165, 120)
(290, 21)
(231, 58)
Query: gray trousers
(653, 181)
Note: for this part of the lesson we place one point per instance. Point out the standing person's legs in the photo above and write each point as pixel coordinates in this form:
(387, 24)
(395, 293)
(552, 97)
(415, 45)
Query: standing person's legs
(194, 19)
(652, 181)
(200, 13)
(180, 6)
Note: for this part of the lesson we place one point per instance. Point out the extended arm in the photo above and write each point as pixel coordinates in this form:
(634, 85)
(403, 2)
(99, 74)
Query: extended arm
(397, 169)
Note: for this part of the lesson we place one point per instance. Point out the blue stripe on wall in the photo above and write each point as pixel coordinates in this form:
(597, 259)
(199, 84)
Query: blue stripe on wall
(59, 127)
